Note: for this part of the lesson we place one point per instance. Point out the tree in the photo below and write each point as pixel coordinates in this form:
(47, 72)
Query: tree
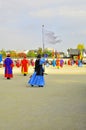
(48, 52)
(3, 52)
(81, 47)
(20, 55)
(13, 54)
(31, 53)
(39, 51)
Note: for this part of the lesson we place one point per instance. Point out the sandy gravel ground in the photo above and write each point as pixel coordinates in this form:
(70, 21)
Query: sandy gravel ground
(54, 70)
(59, 105)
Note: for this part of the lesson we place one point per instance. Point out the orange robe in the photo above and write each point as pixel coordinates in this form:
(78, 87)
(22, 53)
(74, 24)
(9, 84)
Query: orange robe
(58, 63)
(24, 66)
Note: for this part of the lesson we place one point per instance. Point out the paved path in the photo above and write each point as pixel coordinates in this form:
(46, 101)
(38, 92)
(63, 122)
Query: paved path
(60, 105)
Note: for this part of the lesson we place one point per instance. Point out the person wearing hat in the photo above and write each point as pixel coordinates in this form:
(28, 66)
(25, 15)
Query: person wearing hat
(8, 64)
(37, 79)
(24, 66)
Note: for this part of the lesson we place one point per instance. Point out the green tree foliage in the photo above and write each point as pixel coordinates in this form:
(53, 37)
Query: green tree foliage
(39, 51)
(13, 54)
(31, 53)
(46, 51)
(80, 47)
(3, 52)
(49, 53)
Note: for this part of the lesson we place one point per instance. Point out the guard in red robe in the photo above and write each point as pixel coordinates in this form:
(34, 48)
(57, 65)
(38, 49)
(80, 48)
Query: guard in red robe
(24, 66)
(8, 64)
(69, 62)
(58, 63)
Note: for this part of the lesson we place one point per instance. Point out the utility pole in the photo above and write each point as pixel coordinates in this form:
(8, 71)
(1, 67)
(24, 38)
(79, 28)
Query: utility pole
(43, 37)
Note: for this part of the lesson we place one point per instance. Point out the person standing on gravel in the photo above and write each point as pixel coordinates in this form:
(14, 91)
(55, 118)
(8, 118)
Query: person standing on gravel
(8, 64)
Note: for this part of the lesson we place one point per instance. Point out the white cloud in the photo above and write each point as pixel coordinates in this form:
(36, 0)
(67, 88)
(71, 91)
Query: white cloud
(71, 12)
(54, 12)
(44, 8)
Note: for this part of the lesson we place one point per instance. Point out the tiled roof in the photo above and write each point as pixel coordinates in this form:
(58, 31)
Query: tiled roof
(73, 52)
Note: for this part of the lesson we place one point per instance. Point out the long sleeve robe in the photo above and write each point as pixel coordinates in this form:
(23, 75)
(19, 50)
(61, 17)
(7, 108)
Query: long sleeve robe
(8, 64)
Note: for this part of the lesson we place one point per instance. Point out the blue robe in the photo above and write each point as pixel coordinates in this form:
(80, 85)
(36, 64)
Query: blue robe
(37, 79)
(54, 63)
(79, 63)
(8, 64)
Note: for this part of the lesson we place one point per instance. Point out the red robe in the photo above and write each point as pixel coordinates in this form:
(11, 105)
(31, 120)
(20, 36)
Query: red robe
(24, 66)
(18, 64)
(69, 62)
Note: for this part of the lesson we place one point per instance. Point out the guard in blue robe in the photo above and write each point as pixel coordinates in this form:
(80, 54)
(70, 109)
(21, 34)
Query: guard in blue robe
(79, 63)
(54, 62)
(8, 64)
(37, 79)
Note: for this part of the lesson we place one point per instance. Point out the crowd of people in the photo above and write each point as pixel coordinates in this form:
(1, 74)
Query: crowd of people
(37, 78)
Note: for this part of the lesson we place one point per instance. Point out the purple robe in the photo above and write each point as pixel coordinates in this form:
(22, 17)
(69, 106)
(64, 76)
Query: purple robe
(8, 64)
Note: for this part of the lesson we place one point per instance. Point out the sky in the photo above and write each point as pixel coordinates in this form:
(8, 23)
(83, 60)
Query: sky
(27, 24)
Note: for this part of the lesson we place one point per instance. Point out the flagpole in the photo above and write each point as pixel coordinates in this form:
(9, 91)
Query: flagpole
(43, 37)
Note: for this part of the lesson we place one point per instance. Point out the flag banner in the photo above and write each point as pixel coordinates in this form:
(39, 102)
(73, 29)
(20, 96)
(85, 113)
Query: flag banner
(51, 38)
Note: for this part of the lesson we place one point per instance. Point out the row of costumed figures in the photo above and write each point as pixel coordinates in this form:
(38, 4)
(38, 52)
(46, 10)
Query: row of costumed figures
(36, 79)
